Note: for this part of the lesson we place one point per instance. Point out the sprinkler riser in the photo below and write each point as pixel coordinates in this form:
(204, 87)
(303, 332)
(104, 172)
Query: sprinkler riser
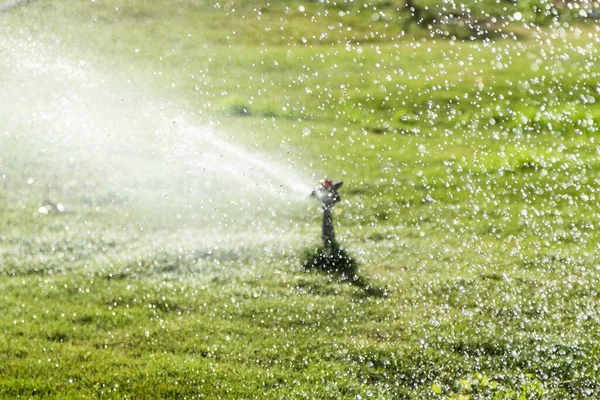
(328, 233)
(327, 193)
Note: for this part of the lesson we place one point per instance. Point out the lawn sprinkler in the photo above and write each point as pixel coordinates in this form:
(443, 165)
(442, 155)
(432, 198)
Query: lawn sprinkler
(331, 256)
(327, 193)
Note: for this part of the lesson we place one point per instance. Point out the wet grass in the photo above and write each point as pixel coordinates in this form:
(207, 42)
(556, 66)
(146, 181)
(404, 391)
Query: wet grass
(469, 201)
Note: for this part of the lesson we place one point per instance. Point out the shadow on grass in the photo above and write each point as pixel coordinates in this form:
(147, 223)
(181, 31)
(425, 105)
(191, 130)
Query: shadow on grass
(335, 260)
(368, 289)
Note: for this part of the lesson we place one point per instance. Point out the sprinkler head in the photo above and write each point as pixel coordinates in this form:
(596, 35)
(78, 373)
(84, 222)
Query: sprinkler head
(327, 192)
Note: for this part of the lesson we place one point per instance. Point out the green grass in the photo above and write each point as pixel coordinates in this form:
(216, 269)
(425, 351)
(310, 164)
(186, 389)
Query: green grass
(470, 173)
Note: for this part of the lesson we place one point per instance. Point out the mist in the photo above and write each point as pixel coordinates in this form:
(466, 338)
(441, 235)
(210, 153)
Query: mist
(91, 137)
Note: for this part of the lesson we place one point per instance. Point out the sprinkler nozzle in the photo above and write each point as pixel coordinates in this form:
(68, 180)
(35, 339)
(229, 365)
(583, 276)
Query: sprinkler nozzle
(327, 192)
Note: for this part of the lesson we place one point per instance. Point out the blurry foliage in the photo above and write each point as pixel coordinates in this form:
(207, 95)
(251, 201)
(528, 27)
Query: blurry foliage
(479, 386)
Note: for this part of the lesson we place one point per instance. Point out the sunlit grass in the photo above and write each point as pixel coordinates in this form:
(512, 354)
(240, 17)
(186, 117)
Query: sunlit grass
(469, 200)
